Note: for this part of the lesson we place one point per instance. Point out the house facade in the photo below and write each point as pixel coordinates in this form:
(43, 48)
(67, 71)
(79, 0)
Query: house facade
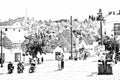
(15, 33)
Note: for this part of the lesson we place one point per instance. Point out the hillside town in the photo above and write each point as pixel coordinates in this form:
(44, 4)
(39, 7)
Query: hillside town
(49, 33)
(25, 39)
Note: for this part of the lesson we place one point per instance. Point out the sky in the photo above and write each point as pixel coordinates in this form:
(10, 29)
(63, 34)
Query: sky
(55, 9)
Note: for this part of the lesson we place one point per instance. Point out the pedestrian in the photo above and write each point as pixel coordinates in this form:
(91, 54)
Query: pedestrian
(42, 59)
(59, 61)
(32, 66)
(20, 67)
(10, 67)
(62, 61)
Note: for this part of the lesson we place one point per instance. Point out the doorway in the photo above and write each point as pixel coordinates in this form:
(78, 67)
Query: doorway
(17, 57)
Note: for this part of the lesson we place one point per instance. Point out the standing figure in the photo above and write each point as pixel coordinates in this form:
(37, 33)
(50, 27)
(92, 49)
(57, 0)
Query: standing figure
(59, 61)
(20, 67)
(10, 67)
(62, 61)
(32, 66)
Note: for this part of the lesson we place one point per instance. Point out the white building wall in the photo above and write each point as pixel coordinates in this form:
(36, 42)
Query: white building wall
(17, 50)
(109, 24)
(16, 34)
(8, 54)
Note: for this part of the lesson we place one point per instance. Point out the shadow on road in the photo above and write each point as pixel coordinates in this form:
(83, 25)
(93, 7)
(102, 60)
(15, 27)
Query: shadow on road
(92, 74)
(95, 61)
(58, 70)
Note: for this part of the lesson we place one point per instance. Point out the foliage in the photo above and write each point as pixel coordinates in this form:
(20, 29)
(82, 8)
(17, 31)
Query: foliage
(110, 44)
(33, 44)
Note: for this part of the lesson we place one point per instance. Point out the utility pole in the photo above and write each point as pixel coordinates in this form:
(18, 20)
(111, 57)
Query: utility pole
(100, 16)
(115, 44)
(1, 50)
(71, 36)
(114, 38)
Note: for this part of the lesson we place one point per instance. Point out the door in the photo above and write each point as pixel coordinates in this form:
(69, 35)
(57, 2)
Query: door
(17, 57)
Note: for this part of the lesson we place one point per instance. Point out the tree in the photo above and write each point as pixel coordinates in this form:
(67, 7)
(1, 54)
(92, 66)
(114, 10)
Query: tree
(33, 44)
(110, 44)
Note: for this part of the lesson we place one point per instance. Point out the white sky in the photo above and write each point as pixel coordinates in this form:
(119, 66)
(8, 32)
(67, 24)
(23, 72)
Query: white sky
(55, 9)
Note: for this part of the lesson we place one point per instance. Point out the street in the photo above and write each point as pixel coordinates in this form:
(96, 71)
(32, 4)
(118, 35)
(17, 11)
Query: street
(74, 70)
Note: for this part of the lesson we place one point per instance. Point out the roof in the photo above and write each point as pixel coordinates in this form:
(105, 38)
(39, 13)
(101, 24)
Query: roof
(11, 22)
(87, 39)
(58, 49)
(65, 39)
(7, 43)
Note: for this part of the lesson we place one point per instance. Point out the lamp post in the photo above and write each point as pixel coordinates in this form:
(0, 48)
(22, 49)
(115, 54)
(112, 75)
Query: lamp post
(100, 16)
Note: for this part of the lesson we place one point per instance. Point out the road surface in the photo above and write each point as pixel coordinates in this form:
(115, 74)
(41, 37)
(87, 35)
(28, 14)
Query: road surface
(74, 70)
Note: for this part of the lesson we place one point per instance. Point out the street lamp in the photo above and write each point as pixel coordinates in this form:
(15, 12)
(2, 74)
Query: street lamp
(100, 18)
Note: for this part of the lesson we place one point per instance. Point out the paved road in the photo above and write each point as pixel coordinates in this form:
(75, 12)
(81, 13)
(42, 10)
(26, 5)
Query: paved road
(74, 70)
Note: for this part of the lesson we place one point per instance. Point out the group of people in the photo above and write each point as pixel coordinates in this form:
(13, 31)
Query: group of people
(20, 67)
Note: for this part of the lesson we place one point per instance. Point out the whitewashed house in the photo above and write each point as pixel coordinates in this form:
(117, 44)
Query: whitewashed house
(15, 33)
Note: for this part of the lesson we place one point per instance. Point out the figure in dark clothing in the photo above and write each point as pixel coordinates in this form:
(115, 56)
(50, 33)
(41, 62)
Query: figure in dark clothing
(62, 61)
(42, 59)
(20, 67)
(32, 66)
(10, 67)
